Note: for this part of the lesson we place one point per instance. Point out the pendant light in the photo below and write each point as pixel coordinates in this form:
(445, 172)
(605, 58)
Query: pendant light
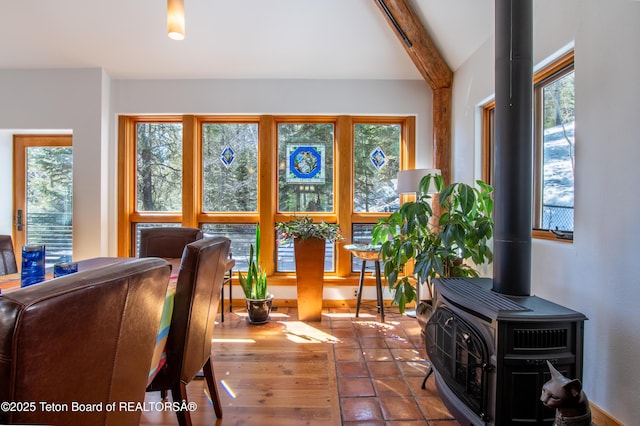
(175, 19)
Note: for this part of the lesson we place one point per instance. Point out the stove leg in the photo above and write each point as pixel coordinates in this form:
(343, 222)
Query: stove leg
(424, 382)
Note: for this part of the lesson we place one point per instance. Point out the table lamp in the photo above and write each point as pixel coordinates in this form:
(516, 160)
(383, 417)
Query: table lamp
(409, 180)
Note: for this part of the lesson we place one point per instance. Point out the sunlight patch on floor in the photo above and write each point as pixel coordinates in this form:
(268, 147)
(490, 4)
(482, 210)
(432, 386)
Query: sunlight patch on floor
(300, 332)
(346, 315)
(216, 340)
(376, 324)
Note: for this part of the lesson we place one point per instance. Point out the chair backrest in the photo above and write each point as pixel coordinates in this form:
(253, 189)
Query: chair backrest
(167, 242)
(197, 298)
(87, 337)
(7, 256)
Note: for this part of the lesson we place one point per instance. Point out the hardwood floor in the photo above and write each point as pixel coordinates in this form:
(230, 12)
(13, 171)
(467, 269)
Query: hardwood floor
(340, 371)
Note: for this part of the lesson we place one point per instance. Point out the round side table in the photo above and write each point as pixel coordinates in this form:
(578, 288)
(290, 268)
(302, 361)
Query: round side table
(368, 254)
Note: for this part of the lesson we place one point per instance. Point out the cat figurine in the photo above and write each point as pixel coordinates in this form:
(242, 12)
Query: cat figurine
(567, 397)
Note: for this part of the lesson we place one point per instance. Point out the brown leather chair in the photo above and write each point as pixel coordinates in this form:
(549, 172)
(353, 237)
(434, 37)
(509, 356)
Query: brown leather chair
(167, 242)
(7, 256)
(86, 337)
(188, 348)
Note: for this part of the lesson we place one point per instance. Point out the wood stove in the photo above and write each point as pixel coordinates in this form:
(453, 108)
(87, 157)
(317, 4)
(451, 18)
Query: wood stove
(489, 351)
(488, 339)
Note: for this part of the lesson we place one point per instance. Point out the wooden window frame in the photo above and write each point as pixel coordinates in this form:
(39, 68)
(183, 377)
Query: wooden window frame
(558, 67)
(267, 215)
(21, 142)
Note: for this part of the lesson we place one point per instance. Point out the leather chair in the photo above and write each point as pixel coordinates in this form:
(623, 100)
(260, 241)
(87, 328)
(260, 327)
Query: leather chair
(86, 337)
(7, 256)
(188, 348)
(167, 242)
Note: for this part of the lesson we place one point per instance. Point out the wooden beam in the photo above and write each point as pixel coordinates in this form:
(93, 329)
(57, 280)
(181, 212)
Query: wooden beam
(427, 58)
(416, 41)
(267, 192)
(442, 131)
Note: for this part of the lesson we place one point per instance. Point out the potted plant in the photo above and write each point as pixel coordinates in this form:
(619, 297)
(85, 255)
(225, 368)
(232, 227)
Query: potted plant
(309, 239)
(254, 286)
(438, 244)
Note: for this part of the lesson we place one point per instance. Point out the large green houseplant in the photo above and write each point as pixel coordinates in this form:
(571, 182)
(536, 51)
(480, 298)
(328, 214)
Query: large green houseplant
(254, 286)
(440, 243)
(309, 240)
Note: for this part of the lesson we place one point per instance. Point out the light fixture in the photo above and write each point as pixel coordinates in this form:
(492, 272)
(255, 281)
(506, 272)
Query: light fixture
(175, 19)
(409, 180)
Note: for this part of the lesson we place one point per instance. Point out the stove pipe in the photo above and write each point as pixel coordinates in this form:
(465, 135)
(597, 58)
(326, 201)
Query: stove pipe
(513, 147)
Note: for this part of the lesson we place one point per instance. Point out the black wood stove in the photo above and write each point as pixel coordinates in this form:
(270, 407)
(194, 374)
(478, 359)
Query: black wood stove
(488, 339)
(489, 351)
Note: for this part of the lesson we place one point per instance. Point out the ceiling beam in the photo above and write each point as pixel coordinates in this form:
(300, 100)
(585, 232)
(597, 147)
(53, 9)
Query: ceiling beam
(427, 58)
(417, 42)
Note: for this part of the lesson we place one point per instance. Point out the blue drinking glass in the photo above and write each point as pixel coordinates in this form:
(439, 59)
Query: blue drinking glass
(33, 257)
(64, 268)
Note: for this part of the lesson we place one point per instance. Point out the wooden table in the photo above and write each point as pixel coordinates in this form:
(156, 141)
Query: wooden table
(368, 253)
(11, 282)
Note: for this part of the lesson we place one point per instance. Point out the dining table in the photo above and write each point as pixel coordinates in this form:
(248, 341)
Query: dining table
(11, 282)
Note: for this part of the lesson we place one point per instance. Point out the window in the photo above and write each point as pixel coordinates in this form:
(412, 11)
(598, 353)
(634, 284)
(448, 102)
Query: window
(305, 179)
(305, 172)
(229, 167)
(226, 175)
(158, 167)
(376, 162)
(554, 149)
(43, 194)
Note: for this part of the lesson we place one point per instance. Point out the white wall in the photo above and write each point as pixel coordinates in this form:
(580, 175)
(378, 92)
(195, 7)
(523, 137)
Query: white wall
(6, 182)
(64, 99)
(595, 275)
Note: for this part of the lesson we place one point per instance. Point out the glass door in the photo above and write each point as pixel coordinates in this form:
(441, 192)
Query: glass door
(43, 194)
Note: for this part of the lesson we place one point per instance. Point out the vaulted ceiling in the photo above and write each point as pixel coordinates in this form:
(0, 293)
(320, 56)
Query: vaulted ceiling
(345, 39)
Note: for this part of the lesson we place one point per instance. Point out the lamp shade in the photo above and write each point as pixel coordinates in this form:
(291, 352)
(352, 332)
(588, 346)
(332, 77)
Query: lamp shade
(175, 19)
(409, 180)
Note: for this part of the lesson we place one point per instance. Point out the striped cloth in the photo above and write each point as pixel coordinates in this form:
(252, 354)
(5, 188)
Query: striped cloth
(159, 354)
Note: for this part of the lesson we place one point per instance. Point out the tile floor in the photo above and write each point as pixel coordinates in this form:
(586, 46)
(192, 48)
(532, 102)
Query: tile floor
(380, 367)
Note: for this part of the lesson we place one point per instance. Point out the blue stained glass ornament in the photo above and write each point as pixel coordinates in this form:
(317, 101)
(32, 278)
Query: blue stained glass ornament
(305, 162)
(378, 158)
(227, 156)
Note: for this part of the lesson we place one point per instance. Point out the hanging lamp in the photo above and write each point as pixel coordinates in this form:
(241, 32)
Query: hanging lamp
(175, 19)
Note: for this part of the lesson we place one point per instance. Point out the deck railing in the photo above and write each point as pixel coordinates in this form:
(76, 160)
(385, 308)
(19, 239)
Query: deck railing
(557, 217)
(54, 230)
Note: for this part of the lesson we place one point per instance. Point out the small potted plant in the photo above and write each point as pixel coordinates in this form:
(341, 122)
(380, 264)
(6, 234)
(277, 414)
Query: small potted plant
(254, 285)
(437, 240)
(309, 239)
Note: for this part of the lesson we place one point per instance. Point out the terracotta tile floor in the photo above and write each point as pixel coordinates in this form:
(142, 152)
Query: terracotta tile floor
(379, 367)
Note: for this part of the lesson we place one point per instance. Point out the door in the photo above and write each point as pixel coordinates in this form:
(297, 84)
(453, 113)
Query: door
(43, 188)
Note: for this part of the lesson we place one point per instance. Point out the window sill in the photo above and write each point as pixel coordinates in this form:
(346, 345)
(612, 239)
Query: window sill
(548, 235)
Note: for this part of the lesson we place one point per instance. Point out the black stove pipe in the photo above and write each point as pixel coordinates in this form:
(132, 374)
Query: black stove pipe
(513, 160)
